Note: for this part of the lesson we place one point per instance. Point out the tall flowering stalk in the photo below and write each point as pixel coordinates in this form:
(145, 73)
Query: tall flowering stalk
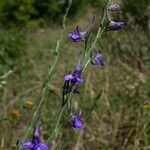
(90, 56)
(73, 79)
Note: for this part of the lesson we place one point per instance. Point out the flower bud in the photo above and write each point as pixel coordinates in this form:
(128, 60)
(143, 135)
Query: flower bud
(116, 25)
(76, 121)
(114, 7)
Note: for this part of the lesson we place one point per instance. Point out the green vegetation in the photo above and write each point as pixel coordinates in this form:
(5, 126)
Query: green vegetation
(121, 121)
(138, 10)
(12, 48)
(22, 12)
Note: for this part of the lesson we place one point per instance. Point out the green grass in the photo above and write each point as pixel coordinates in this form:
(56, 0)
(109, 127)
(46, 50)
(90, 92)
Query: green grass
(122, 119)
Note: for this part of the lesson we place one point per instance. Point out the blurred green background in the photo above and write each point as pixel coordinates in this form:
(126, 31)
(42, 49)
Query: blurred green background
(29, 30)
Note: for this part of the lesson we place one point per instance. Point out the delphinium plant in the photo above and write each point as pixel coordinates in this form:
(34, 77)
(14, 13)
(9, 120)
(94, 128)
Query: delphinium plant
(89, 56)
(72, 80)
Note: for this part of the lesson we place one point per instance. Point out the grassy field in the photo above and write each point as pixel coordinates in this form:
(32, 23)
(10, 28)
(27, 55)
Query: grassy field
(120, 122)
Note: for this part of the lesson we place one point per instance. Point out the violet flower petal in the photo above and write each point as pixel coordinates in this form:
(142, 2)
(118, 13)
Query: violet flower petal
(43, 146)
(76, 121)
(116, 25)
(75, 37)
(77, 69)
(79, 79)
(97, 60)
(69, 77)
(37, 148)
(114, 7)
(26, 145)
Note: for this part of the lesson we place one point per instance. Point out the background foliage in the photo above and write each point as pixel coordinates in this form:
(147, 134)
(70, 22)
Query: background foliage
(22, 12)
(138, 10)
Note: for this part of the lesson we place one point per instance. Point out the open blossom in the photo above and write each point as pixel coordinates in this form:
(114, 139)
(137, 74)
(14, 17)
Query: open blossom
(76, 121)
(75, 77)
(35, 144)
(114, 7)
(97, 59)
(116, 25)
(77, 35)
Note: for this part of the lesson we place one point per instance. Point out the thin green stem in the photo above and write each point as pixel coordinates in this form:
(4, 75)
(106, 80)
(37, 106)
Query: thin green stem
(55, 130)
(45, 83)
(87, 59)
(85, 47)
(57, 126)
(101, 29)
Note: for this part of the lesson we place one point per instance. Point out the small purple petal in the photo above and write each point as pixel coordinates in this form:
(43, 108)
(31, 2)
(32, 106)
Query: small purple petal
(70, 34)
(114, 7)
(116, 25)
(36, 133)
(76, 36)
(76, 121)
(79, 79)
(97, 59)
(77, 69)
(43, 146)
(26, 145)
(38, 148)
(83, 34)
(69, 77)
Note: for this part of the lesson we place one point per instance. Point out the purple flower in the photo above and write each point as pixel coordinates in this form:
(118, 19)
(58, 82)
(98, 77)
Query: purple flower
(35, 144)
(97, 59)
(76, 121)
(75, 77)
(116, 25)
(76, 36)
(114, 7)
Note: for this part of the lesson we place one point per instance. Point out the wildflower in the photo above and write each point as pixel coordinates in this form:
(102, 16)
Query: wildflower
(72, 79)
(114, 7)
(97, 59)
(76, 121)
(116, 25)
(35, 144)
(15, 113)
(146, 106)
(75, 77)
(29, 103)
(76, 36)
